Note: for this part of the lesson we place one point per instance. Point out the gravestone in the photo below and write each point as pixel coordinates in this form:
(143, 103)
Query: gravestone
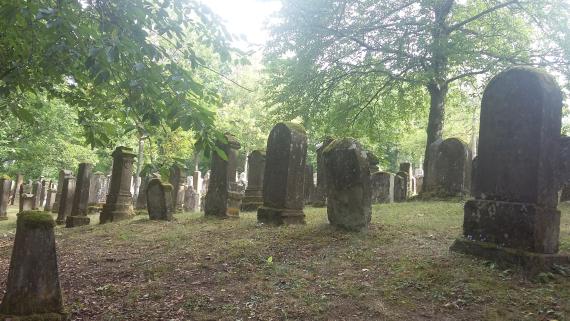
(26, 201)
(374, 161)
(409, 170)
(400, 187)
(177, 175)
(191, 200)
(66, 200)
(197, 181)
(96, 193)
(43, 193)
(36, 190)
(50, 198)
(222, 199)
(309, 187)
(514, 216)
(141, 198)
(253, 197)
(79, 209)
(119, 198)
(451, 172)
(19, 182)
(419, 184)
(382, 186)
(284, 176)
(347, 170)
(429, 179)
(5, 191)
(33, 290)
(159, 200)
(320, 194)
(63, 174)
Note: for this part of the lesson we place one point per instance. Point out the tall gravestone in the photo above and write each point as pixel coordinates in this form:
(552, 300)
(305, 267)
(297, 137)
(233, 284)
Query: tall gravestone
(284, 175)
(36, 190)
(19, 182)
(514, 215)
(320, 194)
(5, 190)
(33, 291)
(43, 192)
(50, 198)
(96, 192)
(253, 197)
(347, 169)
(119, 198)
(222, 199)
(409, 170)
(159, 200)
(177, 175)
(79, 209)
(63, 174)
(451, 171)
(309, 187)
(197, 181)
(429, 181)
(400, 187)
(66, 200)
(382, 186)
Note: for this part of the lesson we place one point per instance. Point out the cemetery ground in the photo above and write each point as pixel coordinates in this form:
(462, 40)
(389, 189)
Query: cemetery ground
(205, 269)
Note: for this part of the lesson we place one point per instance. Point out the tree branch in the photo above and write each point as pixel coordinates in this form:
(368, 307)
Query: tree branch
(458, 25)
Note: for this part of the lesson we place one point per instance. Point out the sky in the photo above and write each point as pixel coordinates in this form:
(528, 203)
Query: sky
(246, 17)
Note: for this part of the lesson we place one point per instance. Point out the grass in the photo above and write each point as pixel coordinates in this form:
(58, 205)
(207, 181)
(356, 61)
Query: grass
(201, 269)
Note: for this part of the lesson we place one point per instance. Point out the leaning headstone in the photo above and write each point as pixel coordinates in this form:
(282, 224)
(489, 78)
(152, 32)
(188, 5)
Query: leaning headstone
(400, 187)
(309, 187)
(284, 175)
(320, 194)
(79, 209)
(451, 171)
(66, 200)
(514, 216)
(63, 174)
(36, 190)
(33, 291)
(382, 186)
(253, 197)
(19, 182)
(348, 185)
(177, 175)
(159, 200)
(5, 190)
(119, 198)
(223, 200)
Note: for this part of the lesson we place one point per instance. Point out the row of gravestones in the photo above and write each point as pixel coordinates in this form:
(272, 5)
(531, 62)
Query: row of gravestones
(522, 163)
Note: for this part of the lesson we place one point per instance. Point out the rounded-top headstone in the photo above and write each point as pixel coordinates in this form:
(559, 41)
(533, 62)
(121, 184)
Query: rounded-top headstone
(159, 200)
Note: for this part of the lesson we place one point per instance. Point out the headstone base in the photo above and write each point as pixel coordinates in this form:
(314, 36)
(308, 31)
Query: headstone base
(252, 200)
(532, 263)
(523, 226)
(75, 221)
(279, 216)
(94, 208)
(116, 213)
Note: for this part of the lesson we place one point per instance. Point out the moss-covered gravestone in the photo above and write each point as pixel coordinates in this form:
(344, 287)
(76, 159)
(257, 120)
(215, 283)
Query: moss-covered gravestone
(382, 186)
(320, 193)
(283, 181)
(79, 207)
(159, 200)
(5, 190)
(347, 172)
(223, 199)
(514, 216)
(66, 200)
(33, 290)
(119, 198)
(253, 197)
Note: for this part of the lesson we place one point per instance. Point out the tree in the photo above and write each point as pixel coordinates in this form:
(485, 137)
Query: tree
(372, 55)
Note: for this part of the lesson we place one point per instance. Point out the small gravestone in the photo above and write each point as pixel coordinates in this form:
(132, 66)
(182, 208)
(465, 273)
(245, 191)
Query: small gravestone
(309, 187)
(119, 198)
(177, 174)
(36, 190)
(400, 187)
(63, 174)
(223, 200)
(159, 200)
(5, 190)
(382, 186)
(26, 201)
(33, 291)
(253, 197)
(320, 193)
(284, 176)
(514, 216)
(348, 185)
(16, 190)
(451, 169)
(191, 200)
(66, 200)
(79, 208)
(50, 199)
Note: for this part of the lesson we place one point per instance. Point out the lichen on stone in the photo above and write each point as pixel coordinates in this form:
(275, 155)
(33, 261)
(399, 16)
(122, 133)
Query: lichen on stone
(36, 219)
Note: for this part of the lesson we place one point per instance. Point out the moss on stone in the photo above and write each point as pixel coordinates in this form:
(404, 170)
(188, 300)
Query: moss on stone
(5, 177)
(341, 143)
(36, 219)
(296, 127)
(167, 186)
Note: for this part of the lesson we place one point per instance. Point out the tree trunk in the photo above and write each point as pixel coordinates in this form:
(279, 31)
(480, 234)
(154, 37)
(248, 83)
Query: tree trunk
(437, 93)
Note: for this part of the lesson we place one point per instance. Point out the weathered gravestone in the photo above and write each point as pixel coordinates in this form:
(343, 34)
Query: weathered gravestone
(26, 200)
(5, 190)
(309, 187)
(222, 199)
(43, 193)
(253, 197)
(119, 198)
(400, 187)
(66, 200)
(514, 216)
(16, 190)
(284, 175)
(36, 190)
(450, 168)
(50, 198)
(177, 175)
(347, 169)
(320, 193)
(382, 186)
(197, 181)
(159, 200)
(79, 208)
(97, 192)
(191, 200)
(409, 170)
(33, 290)
(141, 197)
(63, 174)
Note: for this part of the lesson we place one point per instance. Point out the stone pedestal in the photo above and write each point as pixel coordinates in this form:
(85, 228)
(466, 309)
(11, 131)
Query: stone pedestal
(253, 197)
(283, 197)
(33, 290)
(119, 198)
(5, 190)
